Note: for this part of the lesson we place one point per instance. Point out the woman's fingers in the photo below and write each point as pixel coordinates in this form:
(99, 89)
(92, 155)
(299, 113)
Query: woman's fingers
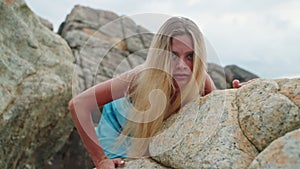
(118, 162)
(106, 164)
(236, 83)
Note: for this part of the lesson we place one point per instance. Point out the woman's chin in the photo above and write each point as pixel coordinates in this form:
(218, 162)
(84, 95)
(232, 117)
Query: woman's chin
(181, 84)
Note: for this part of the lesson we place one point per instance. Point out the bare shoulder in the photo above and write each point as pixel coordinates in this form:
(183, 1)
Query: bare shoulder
(128, 76)
(116, 87)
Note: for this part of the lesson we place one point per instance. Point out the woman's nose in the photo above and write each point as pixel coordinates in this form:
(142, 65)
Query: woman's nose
(180, 64)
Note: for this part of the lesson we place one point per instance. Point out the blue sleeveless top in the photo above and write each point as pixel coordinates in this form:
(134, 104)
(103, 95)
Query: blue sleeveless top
(110, 127)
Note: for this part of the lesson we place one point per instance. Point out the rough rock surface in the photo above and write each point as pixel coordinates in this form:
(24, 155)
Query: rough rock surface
(269, 113)
(208, 136)
(46, 23)
(282, 153)
(103, 43)
(211, 132)
(35, 73)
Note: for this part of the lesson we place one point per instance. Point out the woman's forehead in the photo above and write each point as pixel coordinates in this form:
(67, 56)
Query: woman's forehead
(182, 41)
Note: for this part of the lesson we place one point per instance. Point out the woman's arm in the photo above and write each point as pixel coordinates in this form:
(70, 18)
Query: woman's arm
(209, 85)
(81, 107)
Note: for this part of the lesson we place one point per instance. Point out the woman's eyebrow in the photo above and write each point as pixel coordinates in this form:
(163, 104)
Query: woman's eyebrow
(174, 52)
(185, 53)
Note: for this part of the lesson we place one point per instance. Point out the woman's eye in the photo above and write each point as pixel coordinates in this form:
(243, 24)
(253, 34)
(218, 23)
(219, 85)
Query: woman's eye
(190, 56)
(173, 56)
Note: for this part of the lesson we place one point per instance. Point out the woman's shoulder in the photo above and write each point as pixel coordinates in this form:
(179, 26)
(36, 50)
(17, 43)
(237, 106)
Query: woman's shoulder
(129, 76)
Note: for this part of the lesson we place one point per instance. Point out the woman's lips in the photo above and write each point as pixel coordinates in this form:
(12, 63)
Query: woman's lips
(181, 76)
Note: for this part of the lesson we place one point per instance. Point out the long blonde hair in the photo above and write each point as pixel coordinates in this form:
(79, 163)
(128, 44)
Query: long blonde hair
(152, 93)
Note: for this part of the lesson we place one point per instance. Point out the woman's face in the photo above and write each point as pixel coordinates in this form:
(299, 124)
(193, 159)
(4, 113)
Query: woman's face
(182, 49)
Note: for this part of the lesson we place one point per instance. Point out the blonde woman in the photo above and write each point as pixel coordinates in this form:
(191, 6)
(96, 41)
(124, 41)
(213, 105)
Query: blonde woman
(137, 102)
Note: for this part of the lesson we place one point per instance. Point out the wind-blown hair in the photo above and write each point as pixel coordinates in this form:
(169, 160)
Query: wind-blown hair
(153, 94)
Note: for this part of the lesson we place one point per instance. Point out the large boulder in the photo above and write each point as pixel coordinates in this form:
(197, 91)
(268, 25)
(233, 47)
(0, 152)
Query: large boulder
(46, 23)
(282, 153)
(104, 44)
(35, 73)
(233, 128)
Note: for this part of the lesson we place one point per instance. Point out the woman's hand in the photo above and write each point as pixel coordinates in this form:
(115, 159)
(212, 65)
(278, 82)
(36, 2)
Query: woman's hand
(236, 83)
(110, 163)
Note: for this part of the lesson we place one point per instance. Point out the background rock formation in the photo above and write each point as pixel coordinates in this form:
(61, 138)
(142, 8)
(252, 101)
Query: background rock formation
(103, 43)
(35, 73)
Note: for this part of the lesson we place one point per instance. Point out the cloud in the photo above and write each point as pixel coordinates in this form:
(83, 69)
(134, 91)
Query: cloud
(258, 38)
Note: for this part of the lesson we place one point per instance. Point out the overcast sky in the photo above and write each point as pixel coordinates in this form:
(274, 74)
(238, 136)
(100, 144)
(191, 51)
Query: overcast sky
(261, 36)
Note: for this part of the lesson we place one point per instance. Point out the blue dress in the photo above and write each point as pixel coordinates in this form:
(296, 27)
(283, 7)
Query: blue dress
(110, 126)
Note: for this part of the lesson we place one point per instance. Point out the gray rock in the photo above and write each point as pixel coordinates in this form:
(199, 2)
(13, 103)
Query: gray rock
(81, 17)
(35, 73)
(223, 77)
(104, 44)
(217, 73)
(282, 153)
(268, 114)
(46, 23)
(109, 25)
(143, 163)
(206, 134)
(235, 72)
